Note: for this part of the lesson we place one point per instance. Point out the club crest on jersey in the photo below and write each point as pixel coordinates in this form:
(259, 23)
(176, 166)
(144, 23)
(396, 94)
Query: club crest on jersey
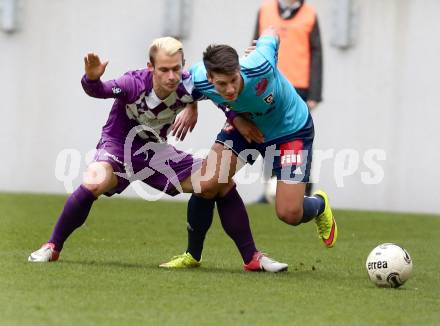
(261, 86)
(116, 90)
(269, 98)
(291, 153)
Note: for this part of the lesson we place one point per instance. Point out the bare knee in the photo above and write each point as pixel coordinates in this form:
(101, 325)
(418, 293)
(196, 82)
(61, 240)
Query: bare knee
(90, 186)
(99, 178)
(290, 215)
(93, 188)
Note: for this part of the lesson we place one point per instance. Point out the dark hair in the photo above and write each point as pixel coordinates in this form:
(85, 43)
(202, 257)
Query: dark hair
(221, 59)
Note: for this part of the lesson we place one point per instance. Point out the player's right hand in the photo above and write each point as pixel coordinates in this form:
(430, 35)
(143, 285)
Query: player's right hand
(248, 130)
(93, 66)
(185, 121)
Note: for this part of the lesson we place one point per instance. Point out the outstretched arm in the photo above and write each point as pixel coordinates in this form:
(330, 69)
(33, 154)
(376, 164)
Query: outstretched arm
(93, 85)
(268, 44)
(93, 66)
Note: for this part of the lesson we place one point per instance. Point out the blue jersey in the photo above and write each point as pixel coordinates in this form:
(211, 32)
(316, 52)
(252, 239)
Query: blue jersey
(267, 97)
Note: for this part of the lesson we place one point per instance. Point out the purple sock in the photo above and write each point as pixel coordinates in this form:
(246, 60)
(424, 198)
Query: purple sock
(235, 222)
(74, 214)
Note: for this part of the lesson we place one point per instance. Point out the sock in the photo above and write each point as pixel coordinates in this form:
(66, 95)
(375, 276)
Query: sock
(235, 222)
(312, 207)
(74, 214)
(199, 217)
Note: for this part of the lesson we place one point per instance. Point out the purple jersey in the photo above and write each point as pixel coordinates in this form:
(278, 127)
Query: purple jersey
(150, 160)
(136, 103)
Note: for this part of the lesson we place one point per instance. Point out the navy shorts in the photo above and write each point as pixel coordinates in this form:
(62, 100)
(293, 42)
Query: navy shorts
(288, 157)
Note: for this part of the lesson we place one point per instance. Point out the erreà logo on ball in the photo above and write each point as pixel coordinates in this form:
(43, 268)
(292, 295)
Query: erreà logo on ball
(377, 264)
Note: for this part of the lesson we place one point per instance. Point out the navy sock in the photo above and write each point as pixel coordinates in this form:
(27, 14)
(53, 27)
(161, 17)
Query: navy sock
(199, 218)
(312, 207)
(74, 214)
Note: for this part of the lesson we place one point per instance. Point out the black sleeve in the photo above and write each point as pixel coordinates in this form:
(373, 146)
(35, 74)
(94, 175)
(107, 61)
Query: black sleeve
(315, 90)
(257, 28)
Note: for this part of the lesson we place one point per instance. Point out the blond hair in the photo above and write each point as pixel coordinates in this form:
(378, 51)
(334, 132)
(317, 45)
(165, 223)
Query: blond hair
(168, 44)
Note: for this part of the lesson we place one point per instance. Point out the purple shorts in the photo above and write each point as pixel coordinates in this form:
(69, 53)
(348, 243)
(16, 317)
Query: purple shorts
(159, 165)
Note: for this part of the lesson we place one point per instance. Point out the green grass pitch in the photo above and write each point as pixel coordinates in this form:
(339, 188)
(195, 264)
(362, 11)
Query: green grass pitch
(108, 274)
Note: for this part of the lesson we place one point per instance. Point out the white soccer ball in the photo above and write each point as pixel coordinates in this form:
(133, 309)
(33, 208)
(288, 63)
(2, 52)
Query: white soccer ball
(271, 190)
(389, 265)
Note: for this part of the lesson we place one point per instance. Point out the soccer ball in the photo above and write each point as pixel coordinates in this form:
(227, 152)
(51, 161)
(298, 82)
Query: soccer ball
(271, 190)
(389, 265)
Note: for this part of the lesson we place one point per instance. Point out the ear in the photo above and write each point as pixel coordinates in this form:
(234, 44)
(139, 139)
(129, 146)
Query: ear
(150, 66)
(209, 77)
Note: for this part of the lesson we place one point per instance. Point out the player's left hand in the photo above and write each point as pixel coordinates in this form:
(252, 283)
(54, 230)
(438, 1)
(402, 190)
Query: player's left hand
(248, 130)
(185, 121)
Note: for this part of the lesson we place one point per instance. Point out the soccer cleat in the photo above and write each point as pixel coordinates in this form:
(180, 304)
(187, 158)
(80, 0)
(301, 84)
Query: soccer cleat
(185, 260)
(45, 254)
(260, 262)
(326, 223)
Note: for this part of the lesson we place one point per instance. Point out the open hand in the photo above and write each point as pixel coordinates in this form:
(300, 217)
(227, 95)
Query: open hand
(93, 66)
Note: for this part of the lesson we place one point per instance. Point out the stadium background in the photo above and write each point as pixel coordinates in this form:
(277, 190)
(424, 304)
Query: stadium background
(379, 93)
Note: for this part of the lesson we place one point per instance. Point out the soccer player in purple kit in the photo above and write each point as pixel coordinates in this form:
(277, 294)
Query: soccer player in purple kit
(146, 104)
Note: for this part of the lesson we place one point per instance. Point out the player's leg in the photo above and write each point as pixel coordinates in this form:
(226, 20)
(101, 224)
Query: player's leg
(200, 212)
(215, 185)
(98, 179)
(294, 208)
(230, 206)
(220, 166)
(291, 163)
(235, 222)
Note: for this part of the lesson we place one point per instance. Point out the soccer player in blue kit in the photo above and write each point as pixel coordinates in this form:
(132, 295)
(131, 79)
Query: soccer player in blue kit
(147, 102)
(254, 88)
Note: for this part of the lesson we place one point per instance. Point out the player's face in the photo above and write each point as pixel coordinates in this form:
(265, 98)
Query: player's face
(167, 71)
(228, 86)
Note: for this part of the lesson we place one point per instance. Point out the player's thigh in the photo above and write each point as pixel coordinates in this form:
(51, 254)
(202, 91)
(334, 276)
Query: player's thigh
(289, 201)
(99, 178)
(215, 175)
